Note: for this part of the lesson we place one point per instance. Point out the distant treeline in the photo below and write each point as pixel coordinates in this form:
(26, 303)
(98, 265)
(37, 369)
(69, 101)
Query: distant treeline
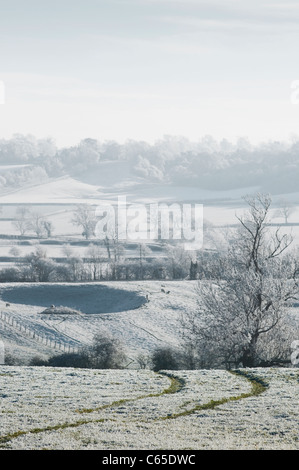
(207, 163)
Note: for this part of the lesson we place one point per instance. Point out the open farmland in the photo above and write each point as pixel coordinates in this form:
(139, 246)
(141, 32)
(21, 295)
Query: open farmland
(140, 314)
(56, 408)
(46, 408)
(67, 408)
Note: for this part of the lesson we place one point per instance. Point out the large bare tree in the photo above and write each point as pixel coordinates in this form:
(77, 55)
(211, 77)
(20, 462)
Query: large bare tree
(247, 304)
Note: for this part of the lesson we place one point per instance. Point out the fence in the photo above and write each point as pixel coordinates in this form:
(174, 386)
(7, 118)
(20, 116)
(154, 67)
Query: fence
(8, 319)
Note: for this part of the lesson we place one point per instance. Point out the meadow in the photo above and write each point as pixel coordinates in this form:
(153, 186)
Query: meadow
(80, 409)
(131, 408)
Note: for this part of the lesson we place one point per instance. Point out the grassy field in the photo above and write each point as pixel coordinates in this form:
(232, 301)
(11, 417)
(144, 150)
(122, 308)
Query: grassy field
(46, 408)
(138, 313)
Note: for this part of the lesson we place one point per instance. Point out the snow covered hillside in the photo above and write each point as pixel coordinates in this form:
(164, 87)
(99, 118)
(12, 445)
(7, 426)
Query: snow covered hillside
(142, 314)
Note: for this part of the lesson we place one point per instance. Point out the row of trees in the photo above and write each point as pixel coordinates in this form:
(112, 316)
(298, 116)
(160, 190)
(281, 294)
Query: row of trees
(103, 260)
(95, 266)
(27, 220)
(209, 163)
(243, 315)
(245, 296)
(108, 352)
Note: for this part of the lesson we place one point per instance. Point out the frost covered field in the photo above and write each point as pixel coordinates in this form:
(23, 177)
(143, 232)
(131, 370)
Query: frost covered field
(47, 408)
(119, 307)
(56, 408)
(65, 408)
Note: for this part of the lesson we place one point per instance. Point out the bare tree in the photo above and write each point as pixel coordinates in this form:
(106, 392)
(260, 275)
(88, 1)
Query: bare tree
(14, 251)
(40, 267)
(67, 250)
(75, 267)
(238, 309)
(84, 217)
(36, 223)
(143, 252)
(48, 228)
(21, 221)
(96, 258)
(178, 261)
(284, 211)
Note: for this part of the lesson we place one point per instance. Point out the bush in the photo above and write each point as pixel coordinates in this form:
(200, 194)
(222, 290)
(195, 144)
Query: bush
(106, 352)
(37, 361)
(165, 358)
(10, 275)
(69, 360)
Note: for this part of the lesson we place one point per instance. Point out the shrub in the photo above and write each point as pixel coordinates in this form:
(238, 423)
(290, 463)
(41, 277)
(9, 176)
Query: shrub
(37, 361)
(165, 358)
(106, 352)
(11, 274)
(69, 360)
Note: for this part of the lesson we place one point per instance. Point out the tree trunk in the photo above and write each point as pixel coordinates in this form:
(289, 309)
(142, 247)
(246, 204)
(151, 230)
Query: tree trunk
(249, 358)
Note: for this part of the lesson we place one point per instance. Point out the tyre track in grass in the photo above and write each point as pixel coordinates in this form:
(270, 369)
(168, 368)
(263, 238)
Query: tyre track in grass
(258, 386)
(176, 384)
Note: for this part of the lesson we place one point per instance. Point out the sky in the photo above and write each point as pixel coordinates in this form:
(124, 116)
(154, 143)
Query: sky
(142, 69)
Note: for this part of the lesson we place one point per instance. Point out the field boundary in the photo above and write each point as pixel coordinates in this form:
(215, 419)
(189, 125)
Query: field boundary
(32, 334)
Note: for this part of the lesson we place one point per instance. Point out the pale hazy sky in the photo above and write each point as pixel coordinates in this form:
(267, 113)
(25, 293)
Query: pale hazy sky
(139, 69)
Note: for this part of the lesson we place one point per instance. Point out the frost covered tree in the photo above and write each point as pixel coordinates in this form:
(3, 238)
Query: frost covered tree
(40, 268)
(106, 352)
(39, 225)
(21, 221)
(284, 211)
(245, 308)
(178, 261)
(95, 256)
(48, 228)
(143, 252)
(84, 217)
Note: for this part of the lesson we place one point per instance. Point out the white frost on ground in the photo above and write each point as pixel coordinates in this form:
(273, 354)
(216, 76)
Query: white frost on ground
(36, 398)
(151, 324)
